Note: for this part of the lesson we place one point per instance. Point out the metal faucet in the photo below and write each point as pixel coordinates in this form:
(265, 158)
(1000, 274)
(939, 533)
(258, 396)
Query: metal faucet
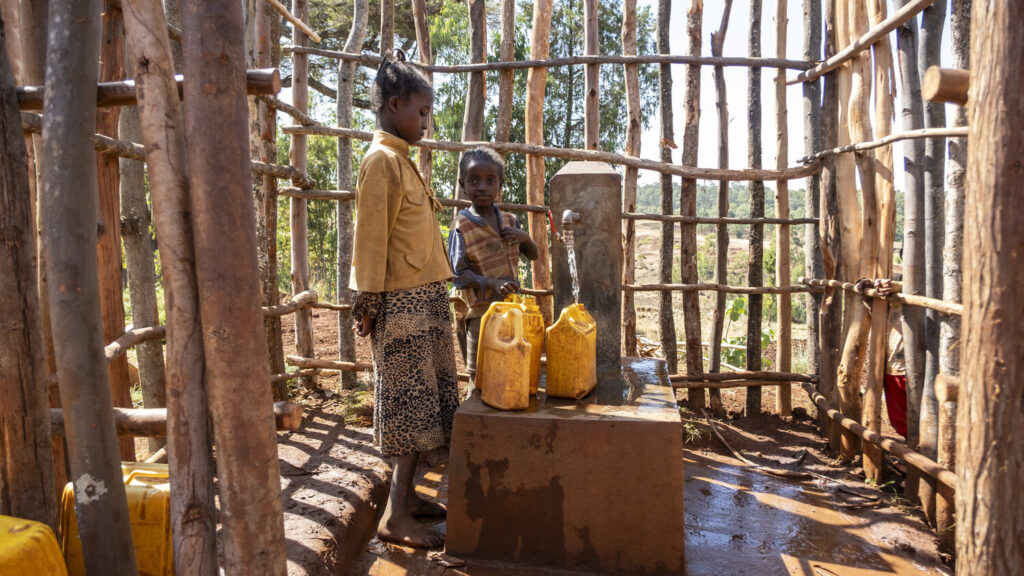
(569, 220)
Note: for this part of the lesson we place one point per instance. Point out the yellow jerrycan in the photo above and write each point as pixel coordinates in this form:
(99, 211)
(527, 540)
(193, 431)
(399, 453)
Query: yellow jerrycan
(534, 329)
(28, 547)
(503, 358)
(572, 354)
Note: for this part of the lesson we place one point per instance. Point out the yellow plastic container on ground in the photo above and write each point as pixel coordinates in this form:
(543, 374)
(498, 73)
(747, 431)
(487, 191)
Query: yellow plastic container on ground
(503, 358)
(534, 330)
(572, 354)
(148, 491)
(28, 547)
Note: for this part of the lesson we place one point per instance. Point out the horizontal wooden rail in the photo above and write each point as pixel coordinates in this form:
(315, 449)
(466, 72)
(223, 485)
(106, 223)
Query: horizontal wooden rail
(725, 384)
(718, 174)
(281, 106)
(329, 306)
(876, 33)
(723, 376)
(301, 300)
(347, 196)
(709, 220)
(275, 378)
(946, 85)
(297, 23)
(374, 61)
(952, 132)
(152, 422)
(719, 288)
(898, 449)
(949, 308)
(131, 338)
(325, 364)
(261, 81)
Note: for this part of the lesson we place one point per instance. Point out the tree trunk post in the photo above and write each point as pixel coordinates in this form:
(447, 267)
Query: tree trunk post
(346, 86)
(591, 75)
(68, 209)
(535, 178)
(783, 257)
(227, 271)
(755, 266)
(812, 143)
(989, 455)
(476, 97)
(666, 315)
(424, 156)
(688, 205)
(631, 73)
(387, 27)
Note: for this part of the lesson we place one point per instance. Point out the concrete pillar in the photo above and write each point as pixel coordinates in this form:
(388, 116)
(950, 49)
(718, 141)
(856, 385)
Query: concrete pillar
(594, 190)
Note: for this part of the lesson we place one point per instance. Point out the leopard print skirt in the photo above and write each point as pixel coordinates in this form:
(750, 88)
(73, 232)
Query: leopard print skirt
(415, 388)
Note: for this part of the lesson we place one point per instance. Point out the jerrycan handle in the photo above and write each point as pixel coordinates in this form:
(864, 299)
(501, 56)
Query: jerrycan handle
(140, 473)
(517, 329)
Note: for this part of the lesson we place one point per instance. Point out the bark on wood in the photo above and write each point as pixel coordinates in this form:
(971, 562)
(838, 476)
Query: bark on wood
(748, 384)
(152, 422)
(702, 220)
(909, 135)
(228, 275)
(10, 10)
(298, 213)
(343, 211)
(784, 356)
(755, 266)
(506, 77)
(911, 300)
(535, 79)
(139, 258)
(68, 209)
(424, 157)
(722, 231)
(632, 80)
(387, 27)
(324, 364)
(109, 242)
(989, 454)
(758, 375)
(133, 337)
(591, 98)
(688, 203)
(932, 21)
(298, 23)
(718, 288)
(476, 94)
(846, 169)
(666, 314)
(948, 85)
(812, 143)
(190, 460)
(286, 376)
(26, 452)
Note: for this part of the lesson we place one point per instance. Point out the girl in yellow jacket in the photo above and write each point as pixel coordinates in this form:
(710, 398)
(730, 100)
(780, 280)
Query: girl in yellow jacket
(401, 274)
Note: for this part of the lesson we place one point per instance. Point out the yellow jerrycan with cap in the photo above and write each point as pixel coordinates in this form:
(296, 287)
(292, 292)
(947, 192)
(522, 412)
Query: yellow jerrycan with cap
(147, 487)
(572, 354)
(534, 329)
(28, 547)
(503, 357)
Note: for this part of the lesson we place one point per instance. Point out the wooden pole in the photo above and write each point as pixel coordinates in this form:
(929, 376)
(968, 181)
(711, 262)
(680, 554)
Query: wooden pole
(989, 453)
(722, 231)
(152, 422)
(297, 22)
(506, 77)
(632, 80)
(26, 453)
(812, 142)
(688, 204)
(476, 94)
(666, 314)
(387, 27)
(424, 156)
(784, 354)
(946, 85)
(343, 210)
(237, 372)
(535, 179)
(887, 140)
(755, 266)
(109, 244)
(298, 214)
(68, 209)
(591, 75)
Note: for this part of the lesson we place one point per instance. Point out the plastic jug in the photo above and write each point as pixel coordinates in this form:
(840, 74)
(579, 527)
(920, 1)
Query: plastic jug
(503, 358)
(28, 547)
(572, 354)
(534, 324)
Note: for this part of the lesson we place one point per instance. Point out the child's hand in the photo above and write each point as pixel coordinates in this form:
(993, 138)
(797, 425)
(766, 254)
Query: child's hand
(502, 286)
(364, 326)
(513, 235)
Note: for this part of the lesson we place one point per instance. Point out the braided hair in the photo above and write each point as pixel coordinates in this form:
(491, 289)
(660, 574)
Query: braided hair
(396, 77)
(485, 153)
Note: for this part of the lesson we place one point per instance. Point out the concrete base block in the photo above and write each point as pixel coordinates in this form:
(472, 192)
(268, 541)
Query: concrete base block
(594, 485)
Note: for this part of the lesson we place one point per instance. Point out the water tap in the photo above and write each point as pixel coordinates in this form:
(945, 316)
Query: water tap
(569, 220)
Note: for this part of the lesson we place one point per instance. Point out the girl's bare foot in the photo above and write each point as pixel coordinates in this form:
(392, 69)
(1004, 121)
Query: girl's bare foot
(409, 531)
(424, 508)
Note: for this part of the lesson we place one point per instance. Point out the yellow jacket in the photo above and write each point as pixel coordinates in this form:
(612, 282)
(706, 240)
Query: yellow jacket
(398, 241)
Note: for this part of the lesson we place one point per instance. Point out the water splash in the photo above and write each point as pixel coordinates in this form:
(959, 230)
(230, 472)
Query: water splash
(567, 237)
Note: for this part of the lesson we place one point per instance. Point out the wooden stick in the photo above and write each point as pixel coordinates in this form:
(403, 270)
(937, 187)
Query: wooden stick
(374, 61)
(284, 377)
(629, 183)
(895, 448)
(325, 364)
(946, 85)
(749, 384)
(304, 299)
(791, 173)
(591, 85)
(347, 196)
(265, 81)
(160, 456)
(941, 306)
(784, 350)
(760, 375)
(131, 338)
(476, 88)
(329, 306)
(424, 158)
(947, 388)
(909, 135)
(666, 250)
(719, 288)
(505, 77)
(755, 262)
(536, 79)
(299, 24)
(873, 35)
(152, 422)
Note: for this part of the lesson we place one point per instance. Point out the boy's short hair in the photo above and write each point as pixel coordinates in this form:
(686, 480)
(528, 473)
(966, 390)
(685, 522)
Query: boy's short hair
(482, 153)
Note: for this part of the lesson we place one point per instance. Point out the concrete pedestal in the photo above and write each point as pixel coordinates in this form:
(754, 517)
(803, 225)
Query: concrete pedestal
(594, 485)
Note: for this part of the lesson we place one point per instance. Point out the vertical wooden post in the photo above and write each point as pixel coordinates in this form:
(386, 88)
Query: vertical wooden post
(535, 78)
(425, 157)
(688, 204)
(237, 372)
(666, 315)
(109, 247)
(990, 455)
(782, 238)
(299, 215)
(193, 517)
(932, 20)
(387, 27)
(346, 86)
(26, 455)
(506, 77)
(722, 230)
(591, 75)
(755, 266)
(68, 208)
(476, 97)
(813, 143)
(632, 77)
(846, 177)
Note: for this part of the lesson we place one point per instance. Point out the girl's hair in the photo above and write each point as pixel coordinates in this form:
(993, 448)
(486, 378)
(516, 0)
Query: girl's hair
(485, 153)
(396, 77)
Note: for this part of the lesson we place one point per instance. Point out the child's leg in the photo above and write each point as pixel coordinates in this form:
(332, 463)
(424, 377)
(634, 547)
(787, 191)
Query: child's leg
(397, 524)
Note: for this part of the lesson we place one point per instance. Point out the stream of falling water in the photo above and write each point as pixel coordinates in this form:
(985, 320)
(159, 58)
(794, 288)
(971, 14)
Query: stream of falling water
(570, 250)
